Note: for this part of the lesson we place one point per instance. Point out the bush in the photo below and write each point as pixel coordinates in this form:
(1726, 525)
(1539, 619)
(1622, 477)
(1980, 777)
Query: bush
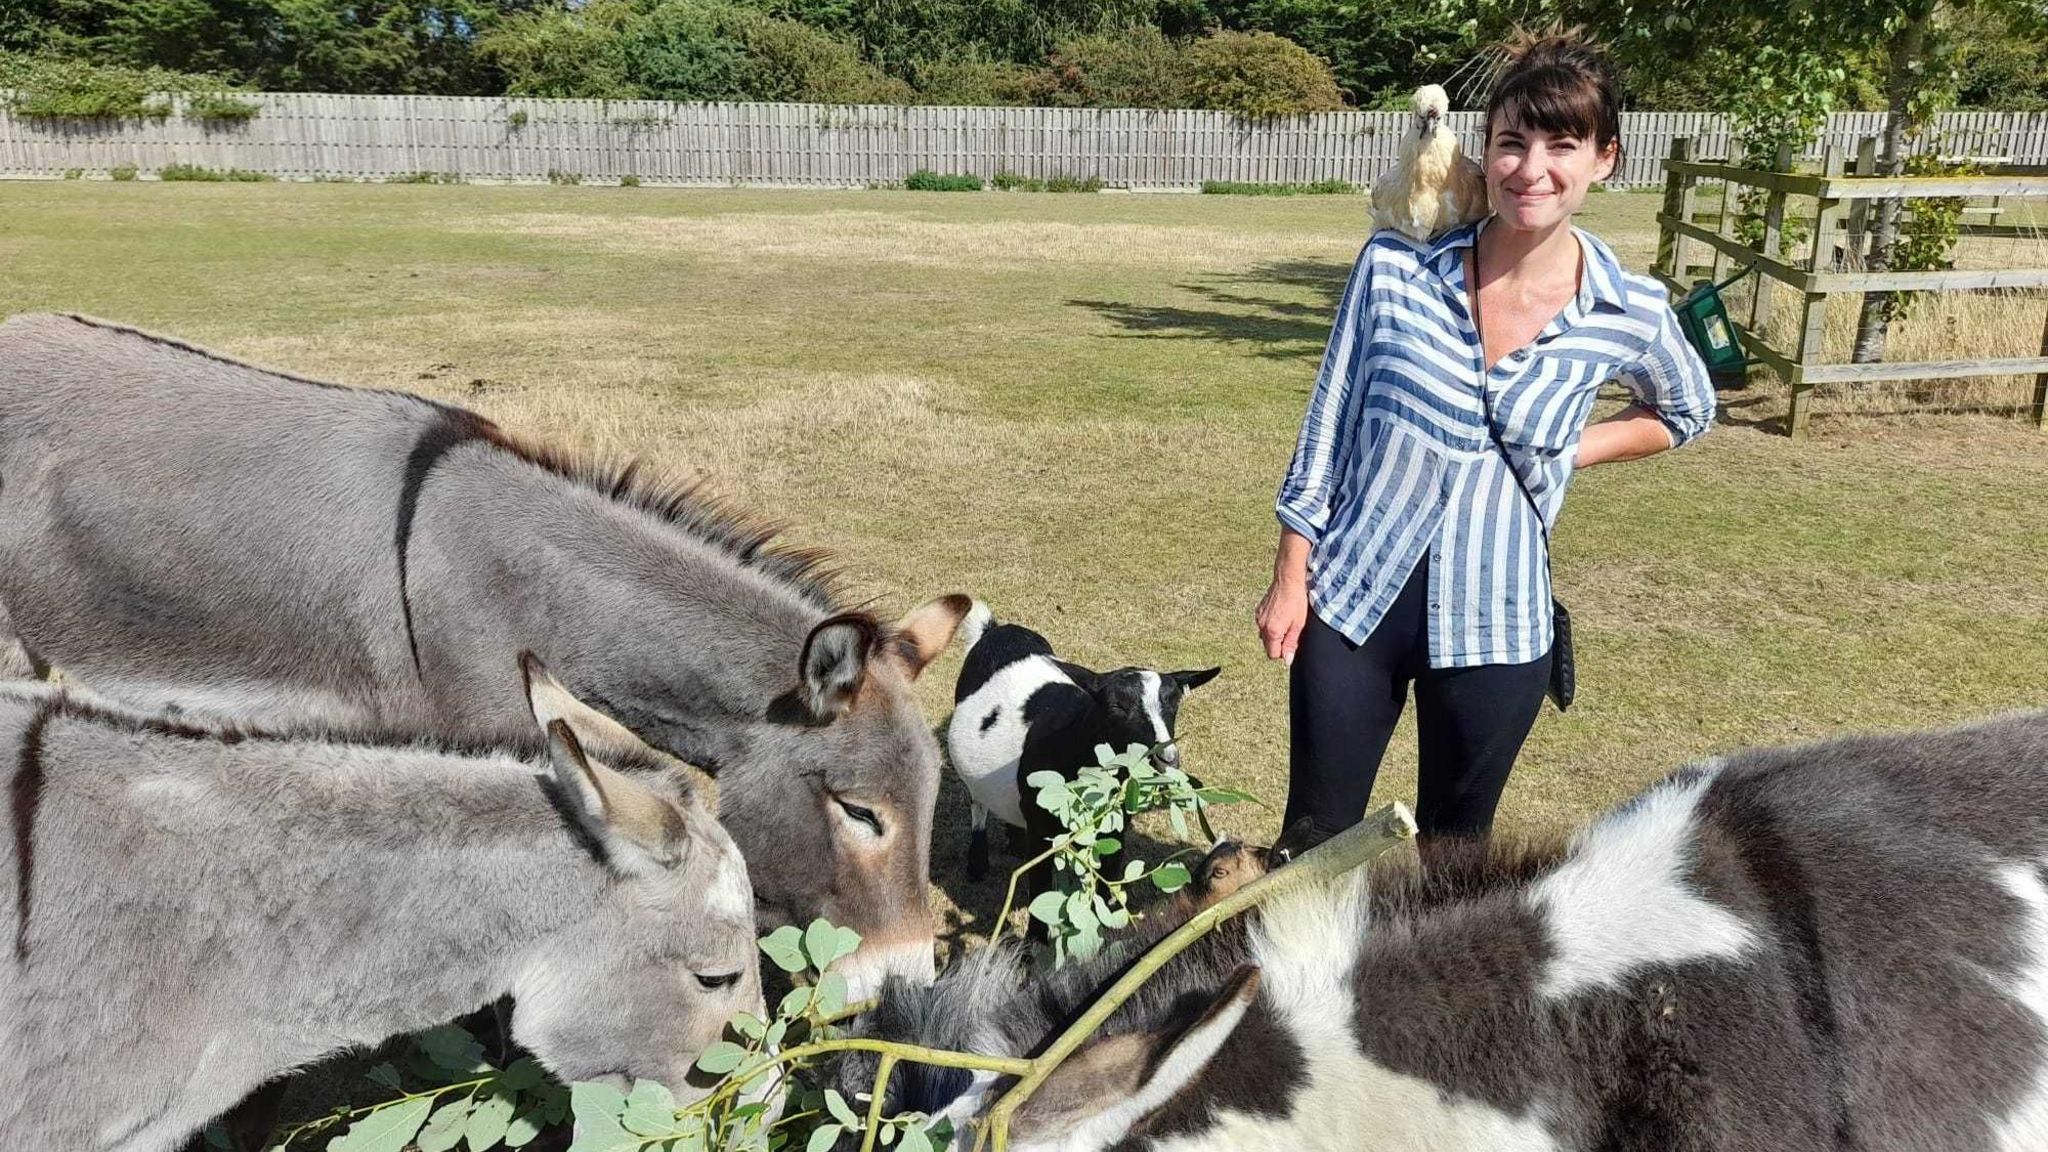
(516, 120)
(925, 180)
(629, 181)
(47, 88)
(1074, 184)
(788, 61)
(1017, 182)
(564, 179)
(425, 178)
(124, 173)
(220, 108)
(193, 172)
(74, 173)
(1135, 68)
(1258, 74)
(1239, 188)
(975, 83)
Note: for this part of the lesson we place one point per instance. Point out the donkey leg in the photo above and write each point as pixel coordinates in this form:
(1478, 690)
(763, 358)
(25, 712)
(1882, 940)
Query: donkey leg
(17, 660)
(977, 844)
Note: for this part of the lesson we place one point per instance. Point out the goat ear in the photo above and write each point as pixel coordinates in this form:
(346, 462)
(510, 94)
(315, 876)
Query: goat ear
(1189, 681)
(834, 662)
(1096, 1097)
(640, 831)
(925, 631)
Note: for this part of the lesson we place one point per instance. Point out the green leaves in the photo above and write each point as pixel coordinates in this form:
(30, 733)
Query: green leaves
(1094, 806)
(812, 949)
(721, 1058)
(785, 946)
(387, 1129)
(445, 1127)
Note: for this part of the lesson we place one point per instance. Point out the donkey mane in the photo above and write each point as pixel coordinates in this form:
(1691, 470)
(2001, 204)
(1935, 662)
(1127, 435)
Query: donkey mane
(685, 504)
(66, 703)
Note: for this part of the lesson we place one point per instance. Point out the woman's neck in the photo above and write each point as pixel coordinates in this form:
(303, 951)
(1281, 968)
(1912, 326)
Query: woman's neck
(1526, 255)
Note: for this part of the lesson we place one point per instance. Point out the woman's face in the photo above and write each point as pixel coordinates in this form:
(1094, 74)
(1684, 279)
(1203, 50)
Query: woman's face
(1536, 180)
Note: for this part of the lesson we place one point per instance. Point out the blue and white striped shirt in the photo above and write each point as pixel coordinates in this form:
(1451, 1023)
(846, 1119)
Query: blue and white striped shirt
(1395, 461)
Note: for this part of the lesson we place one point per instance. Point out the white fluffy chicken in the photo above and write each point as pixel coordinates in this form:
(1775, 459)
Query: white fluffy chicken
(1434, 186)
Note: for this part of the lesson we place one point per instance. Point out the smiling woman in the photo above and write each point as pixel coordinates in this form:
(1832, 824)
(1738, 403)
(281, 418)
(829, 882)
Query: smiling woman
(1446, 423)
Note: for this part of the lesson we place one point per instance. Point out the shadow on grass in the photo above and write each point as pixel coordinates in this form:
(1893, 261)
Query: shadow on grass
(1260, 307)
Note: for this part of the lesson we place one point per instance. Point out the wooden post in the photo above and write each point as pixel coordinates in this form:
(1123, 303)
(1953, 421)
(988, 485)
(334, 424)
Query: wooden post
(2041, 385)
(1859, 212)
(1814, 307)
(1678, 206)
(1774, 227)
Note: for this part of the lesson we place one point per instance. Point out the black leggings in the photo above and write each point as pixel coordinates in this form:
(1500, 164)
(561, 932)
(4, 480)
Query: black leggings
(1343, 702)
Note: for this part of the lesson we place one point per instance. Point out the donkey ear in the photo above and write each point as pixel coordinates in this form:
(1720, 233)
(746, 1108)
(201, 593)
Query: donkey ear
(640, 831)
(925, 631)
(1190, 681)
(599, 734)
(834, 661)
(1096, 1097)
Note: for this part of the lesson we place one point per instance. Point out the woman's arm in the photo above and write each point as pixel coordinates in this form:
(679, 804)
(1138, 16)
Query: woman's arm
(1326, 429)
(1630, 434)
(1284, 609)
(1674, 402)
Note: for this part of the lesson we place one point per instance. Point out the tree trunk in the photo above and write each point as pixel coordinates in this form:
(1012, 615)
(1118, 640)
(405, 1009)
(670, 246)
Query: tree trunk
(1906, 65)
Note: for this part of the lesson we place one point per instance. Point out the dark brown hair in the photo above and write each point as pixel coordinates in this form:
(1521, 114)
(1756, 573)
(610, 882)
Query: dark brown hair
(1559, 82)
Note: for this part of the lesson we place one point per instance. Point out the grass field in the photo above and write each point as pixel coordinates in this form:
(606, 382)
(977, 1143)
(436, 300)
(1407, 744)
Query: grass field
(1078, 407)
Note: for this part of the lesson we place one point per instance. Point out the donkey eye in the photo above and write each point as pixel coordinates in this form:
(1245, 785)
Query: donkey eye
(861, 815)
(714, 983)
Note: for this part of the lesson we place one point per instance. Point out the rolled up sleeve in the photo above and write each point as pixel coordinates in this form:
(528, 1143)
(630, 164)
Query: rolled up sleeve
(1321, 454)
(1671, 381)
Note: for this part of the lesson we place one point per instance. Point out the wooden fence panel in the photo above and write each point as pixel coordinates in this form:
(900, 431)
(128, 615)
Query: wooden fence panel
(504, 139)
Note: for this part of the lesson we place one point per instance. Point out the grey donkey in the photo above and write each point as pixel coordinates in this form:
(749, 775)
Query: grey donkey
(195, 909)
(178, 529)
(1836, 947)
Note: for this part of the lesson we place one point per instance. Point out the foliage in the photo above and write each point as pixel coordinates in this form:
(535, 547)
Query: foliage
(1129, 68)
(560, 178)
(458, 1097)
(629, 181)
(426, 178)
(1379, 51)
(220, 108)
(516, 119)
(925, 180)
(194, 172)
(972, 81)
(1331, 187)
(123, 173)
(683, 50)
(49, 87)
(2001, 63)
(1928, 234)
(467, 1100)
(1258, 74)
(1095, 808)
(1073, 184)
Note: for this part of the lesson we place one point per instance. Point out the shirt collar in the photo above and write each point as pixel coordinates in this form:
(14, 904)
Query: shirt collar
(1600, 285)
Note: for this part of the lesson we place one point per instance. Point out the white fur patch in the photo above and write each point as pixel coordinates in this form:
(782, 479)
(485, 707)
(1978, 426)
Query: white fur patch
(2025, 1128)
(1155, 708)
(986, 760)
(1620, 902)
(1306, 944)
(732, 894)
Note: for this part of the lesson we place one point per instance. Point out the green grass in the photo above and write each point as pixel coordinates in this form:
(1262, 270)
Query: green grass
(1078, 408)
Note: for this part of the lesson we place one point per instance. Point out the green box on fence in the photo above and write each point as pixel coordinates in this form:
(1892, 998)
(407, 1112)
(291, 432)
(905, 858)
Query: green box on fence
(1703, 318)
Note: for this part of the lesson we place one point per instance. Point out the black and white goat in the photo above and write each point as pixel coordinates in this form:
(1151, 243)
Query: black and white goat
(1018, 709)
(1840, 946)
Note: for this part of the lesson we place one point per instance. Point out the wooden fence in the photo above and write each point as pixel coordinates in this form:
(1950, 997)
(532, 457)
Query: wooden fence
(1833, 263)
(304, 136)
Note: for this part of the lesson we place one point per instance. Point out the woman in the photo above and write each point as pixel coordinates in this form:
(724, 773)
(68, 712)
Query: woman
(1411, 548)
